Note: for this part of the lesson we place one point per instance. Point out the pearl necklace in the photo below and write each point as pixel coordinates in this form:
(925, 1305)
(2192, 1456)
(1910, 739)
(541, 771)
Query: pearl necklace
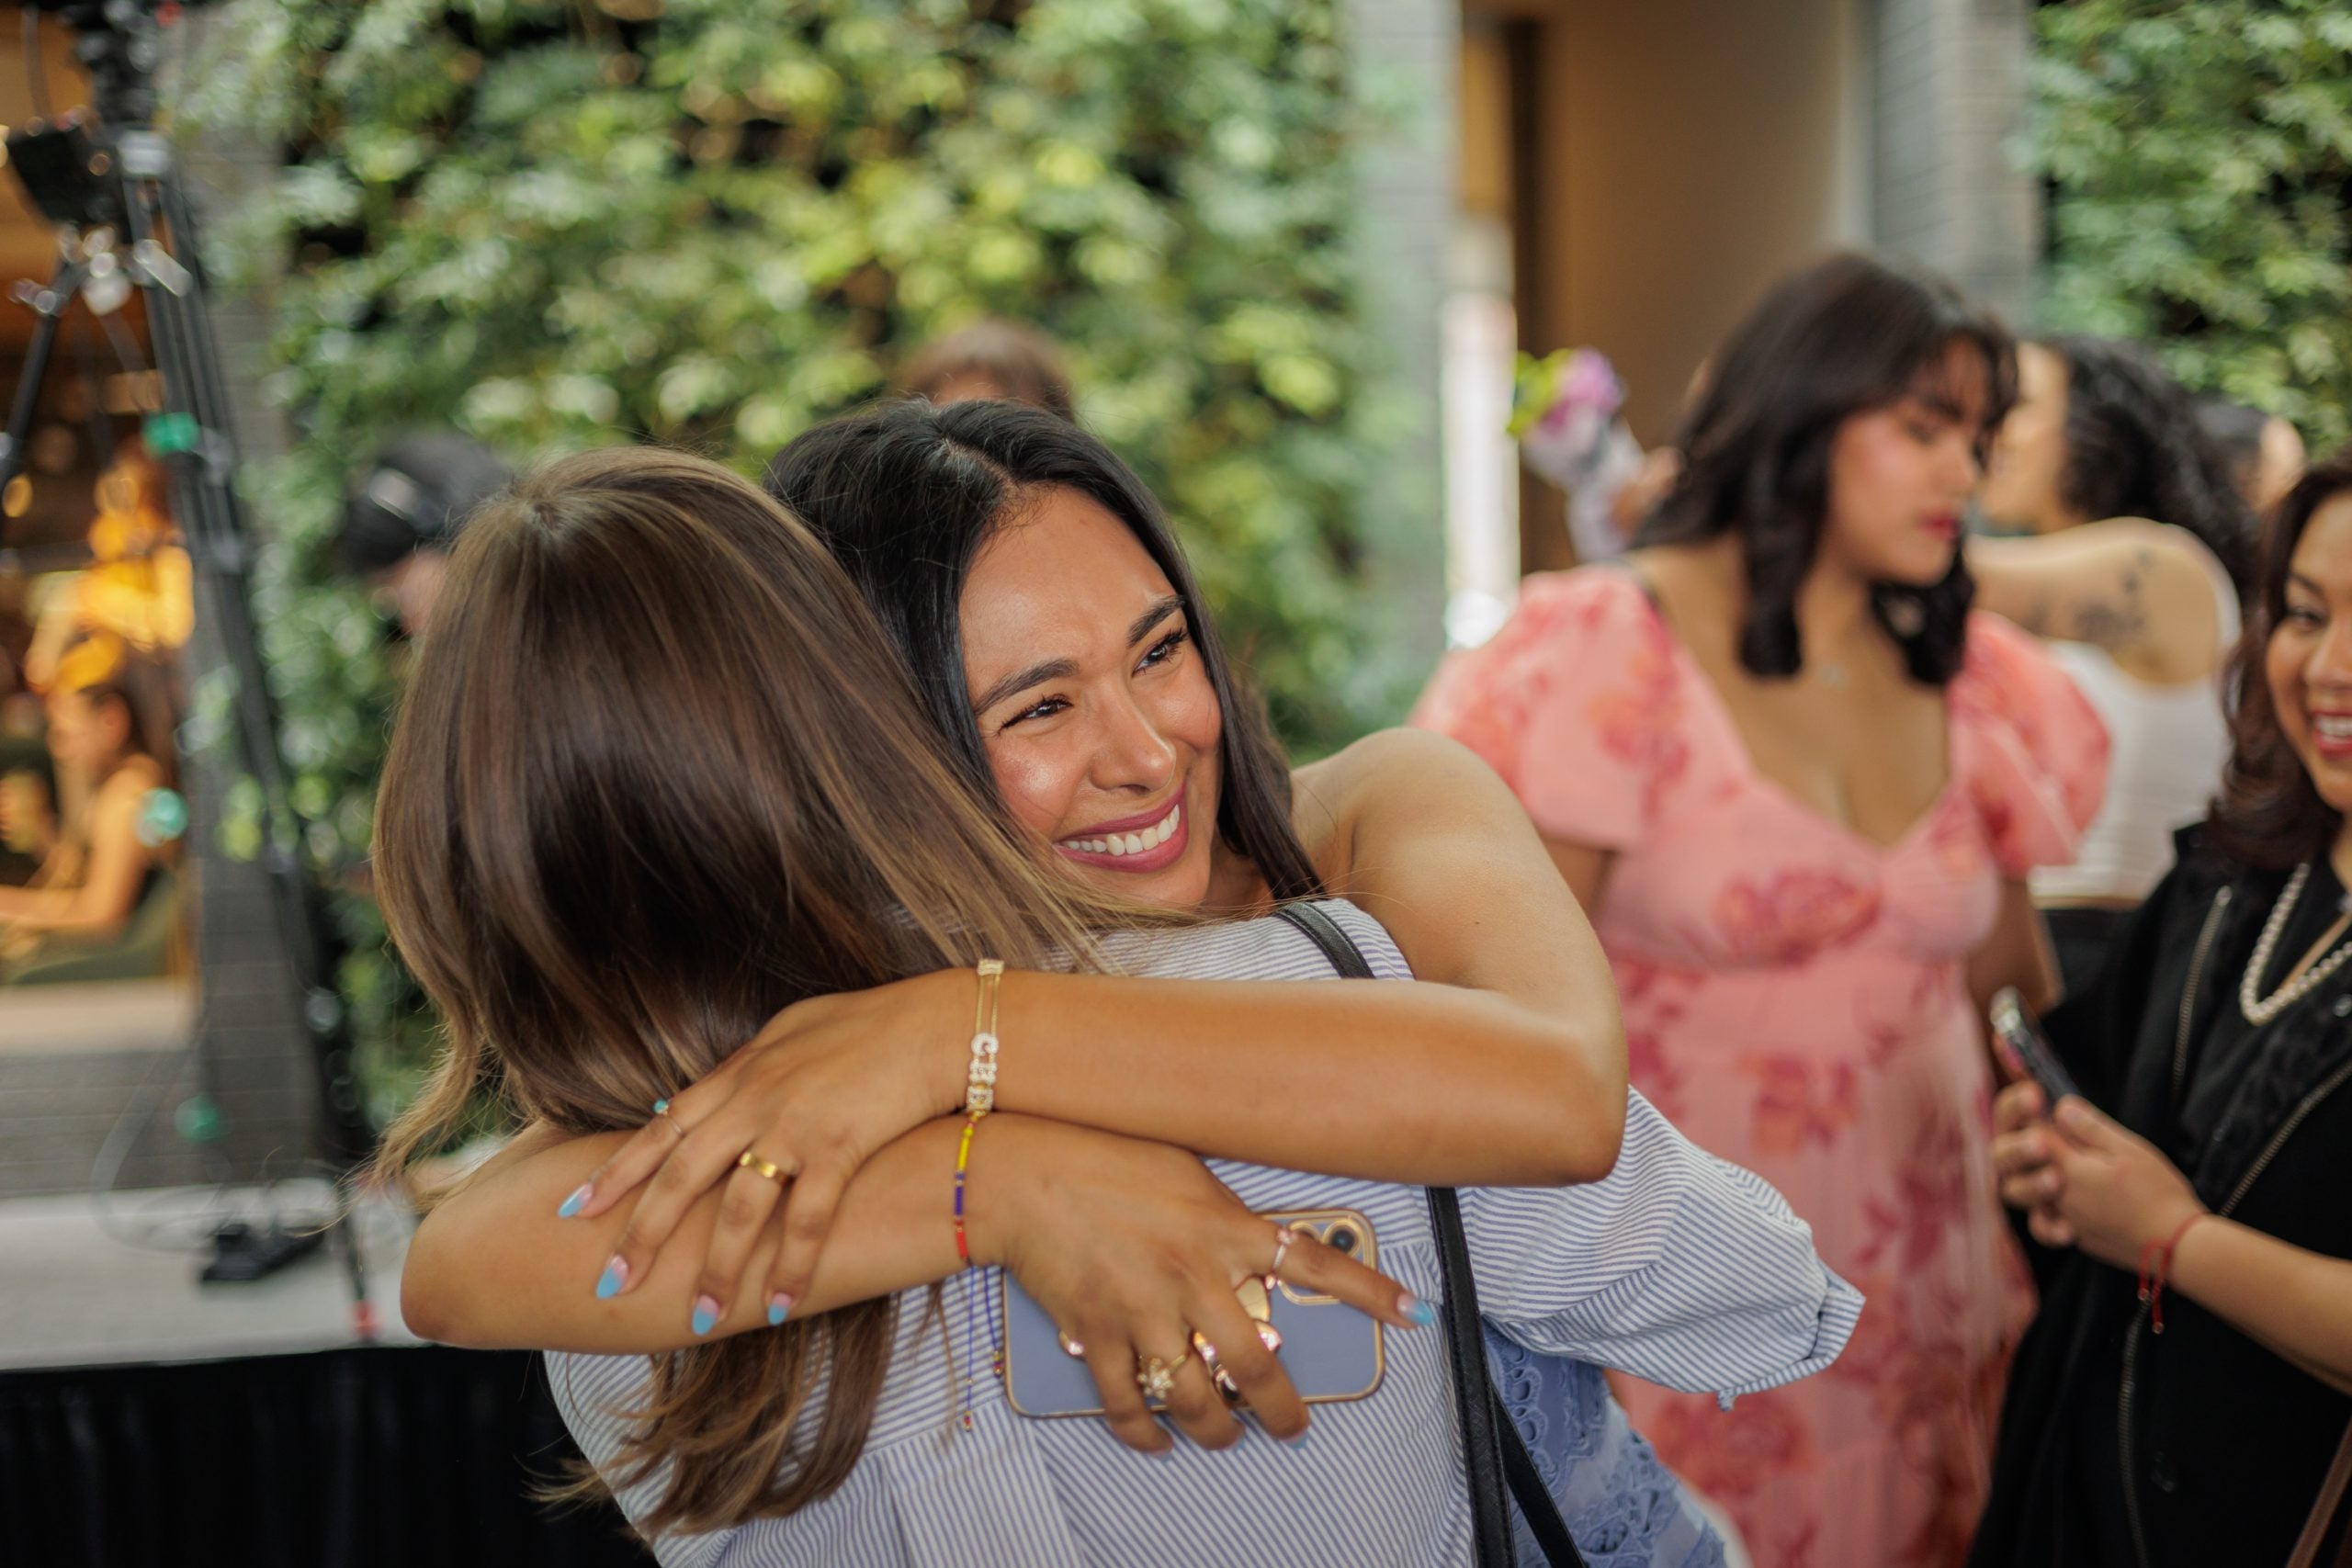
(2259, 1010)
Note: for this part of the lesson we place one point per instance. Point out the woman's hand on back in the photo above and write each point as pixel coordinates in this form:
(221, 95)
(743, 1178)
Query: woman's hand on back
(1131, 1247)
(815, 1094)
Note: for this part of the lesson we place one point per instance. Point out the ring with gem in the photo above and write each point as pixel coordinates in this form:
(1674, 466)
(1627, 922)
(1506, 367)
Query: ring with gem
(1156, 1377)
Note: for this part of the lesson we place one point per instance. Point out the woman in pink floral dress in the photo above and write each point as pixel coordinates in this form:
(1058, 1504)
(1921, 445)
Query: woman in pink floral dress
(1798, 785)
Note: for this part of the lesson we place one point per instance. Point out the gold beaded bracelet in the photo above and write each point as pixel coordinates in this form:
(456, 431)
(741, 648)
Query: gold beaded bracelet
(979, 1091)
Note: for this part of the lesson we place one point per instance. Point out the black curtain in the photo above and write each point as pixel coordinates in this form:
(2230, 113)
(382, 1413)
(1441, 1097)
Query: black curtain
(377, 1458)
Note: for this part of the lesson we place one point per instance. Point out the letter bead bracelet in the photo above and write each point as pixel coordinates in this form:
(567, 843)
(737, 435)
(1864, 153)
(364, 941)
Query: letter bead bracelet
(979, 1091)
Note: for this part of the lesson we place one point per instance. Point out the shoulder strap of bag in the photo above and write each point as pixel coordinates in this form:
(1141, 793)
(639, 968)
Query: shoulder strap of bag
(2324, 1508)
(1495, 1453)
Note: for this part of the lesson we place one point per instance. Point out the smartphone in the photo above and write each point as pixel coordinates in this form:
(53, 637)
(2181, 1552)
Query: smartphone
(2025, 1048)
(1331, 1351)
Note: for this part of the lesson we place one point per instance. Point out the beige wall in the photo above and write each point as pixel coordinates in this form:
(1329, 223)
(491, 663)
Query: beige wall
(1690, 152)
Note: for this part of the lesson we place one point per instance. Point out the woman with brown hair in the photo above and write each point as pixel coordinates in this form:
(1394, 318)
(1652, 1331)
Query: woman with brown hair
(2178, 1397)
(706, 711)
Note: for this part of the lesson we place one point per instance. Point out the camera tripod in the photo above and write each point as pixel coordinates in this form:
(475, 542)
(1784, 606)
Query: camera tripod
(113, 185)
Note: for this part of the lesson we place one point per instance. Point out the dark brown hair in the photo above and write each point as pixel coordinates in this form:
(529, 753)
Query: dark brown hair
(906, 494)
(2269, 814)
(1020, 361)
(657, 775)
(2135, 448)
(1845, 336)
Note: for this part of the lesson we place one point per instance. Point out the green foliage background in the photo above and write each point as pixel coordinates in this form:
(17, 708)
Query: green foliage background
(712, 222)
(2200, 155)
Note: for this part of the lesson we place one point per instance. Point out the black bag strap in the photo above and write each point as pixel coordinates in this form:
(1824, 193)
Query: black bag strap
(1494, 1454)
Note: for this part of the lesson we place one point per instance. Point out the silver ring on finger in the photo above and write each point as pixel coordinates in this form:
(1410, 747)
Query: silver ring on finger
(1283, 1237)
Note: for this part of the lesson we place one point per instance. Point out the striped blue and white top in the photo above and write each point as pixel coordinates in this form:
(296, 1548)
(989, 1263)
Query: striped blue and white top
(1678, 1268)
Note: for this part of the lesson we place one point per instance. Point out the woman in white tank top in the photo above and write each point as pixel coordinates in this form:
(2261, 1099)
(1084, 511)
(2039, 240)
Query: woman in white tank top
(2128, 555)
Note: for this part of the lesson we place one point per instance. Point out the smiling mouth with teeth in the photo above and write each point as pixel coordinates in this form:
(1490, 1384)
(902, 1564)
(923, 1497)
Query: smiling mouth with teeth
(1135, 843)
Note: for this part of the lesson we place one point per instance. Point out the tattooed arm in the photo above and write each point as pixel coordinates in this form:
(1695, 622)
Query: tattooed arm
(2142, 591)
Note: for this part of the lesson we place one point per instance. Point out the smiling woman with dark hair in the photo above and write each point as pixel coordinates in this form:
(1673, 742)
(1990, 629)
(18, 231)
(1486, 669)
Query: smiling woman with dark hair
(1798, 785)
(2190, 1372)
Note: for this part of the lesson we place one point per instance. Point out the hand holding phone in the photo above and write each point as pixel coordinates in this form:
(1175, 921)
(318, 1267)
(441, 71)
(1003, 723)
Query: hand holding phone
(1329, 1351)
(2025, 1049)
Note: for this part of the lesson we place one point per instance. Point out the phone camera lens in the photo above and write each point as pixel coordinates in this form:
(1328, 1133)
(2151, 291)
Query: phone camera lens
(1341, 1238)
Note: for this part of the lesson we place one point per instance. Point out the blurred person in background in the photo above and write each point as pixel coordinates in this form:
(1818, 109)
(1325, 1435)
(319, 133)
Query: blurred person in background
(403, 515)
(107, 854)
(139, 587)
(2178, 1398)
(2265, 452)
(2132, 553)
(993, 359)
(1799, 786)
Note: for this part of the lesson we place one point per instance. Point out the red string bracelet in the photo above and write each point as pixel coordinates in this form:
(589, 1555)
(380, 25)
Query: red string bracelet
(2155, 1270)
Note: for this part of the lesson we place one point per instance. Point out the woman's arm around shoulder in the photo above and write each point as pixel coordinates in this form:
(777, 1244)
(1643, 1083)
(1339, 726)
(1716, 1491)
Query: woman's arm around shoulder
(1423, 836)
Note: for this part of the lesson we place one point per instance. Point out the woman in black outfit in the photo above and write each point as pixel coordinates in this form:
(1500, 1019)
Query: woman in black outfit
(2184, 1390)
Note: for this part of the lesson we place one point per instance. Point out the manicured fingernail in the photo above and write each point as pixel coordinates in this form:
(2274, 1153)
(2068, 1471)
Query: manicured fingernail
(615, 1275)
(1297, 1442)
(705, 1314)
(1168, 1452)
(1416, 1310)
(572, 1205)
(779, 1307)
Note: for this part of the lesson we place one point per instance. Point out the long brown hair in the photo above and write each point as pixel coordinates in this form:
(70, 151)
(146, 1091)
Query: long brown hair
(656, 776)
(2269, 814)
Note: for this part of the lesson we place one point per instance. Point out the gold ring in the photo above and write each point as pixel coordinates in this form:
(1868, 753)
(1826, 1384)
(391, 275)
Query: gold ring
(1071, 1348)
(1155, 1377)
(750, 1161)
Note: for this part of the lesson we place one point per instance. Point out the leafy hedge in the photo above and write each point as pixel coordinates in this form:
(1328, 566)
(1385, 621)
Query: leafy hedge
(2201, 158)
(715, 221)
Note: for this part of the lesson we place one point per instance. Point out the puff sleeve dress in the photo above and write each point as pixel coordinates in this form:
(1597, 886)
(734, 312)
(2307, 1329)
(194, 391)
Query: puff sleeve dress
(1795, 1001)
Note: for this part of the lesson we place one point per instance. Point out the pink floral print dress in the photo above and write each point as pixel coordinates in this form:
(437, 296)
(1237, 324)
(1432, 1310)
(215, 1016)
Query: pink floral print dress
(1795, 1000)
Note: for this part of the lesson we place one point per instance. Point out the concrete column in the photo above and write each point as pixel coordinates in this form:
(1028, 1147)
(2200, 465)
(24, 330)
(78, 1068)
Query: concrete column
(1411, 49)
(1949, 97)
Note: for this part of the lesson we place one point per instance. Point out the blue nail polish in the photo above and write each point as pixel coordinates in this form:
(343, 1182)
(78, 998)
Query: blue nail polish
(608, 1284)
(1421, 1313)
(571, 1205)
(777, 1307)
(705, 1314)
(1297, 1442)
